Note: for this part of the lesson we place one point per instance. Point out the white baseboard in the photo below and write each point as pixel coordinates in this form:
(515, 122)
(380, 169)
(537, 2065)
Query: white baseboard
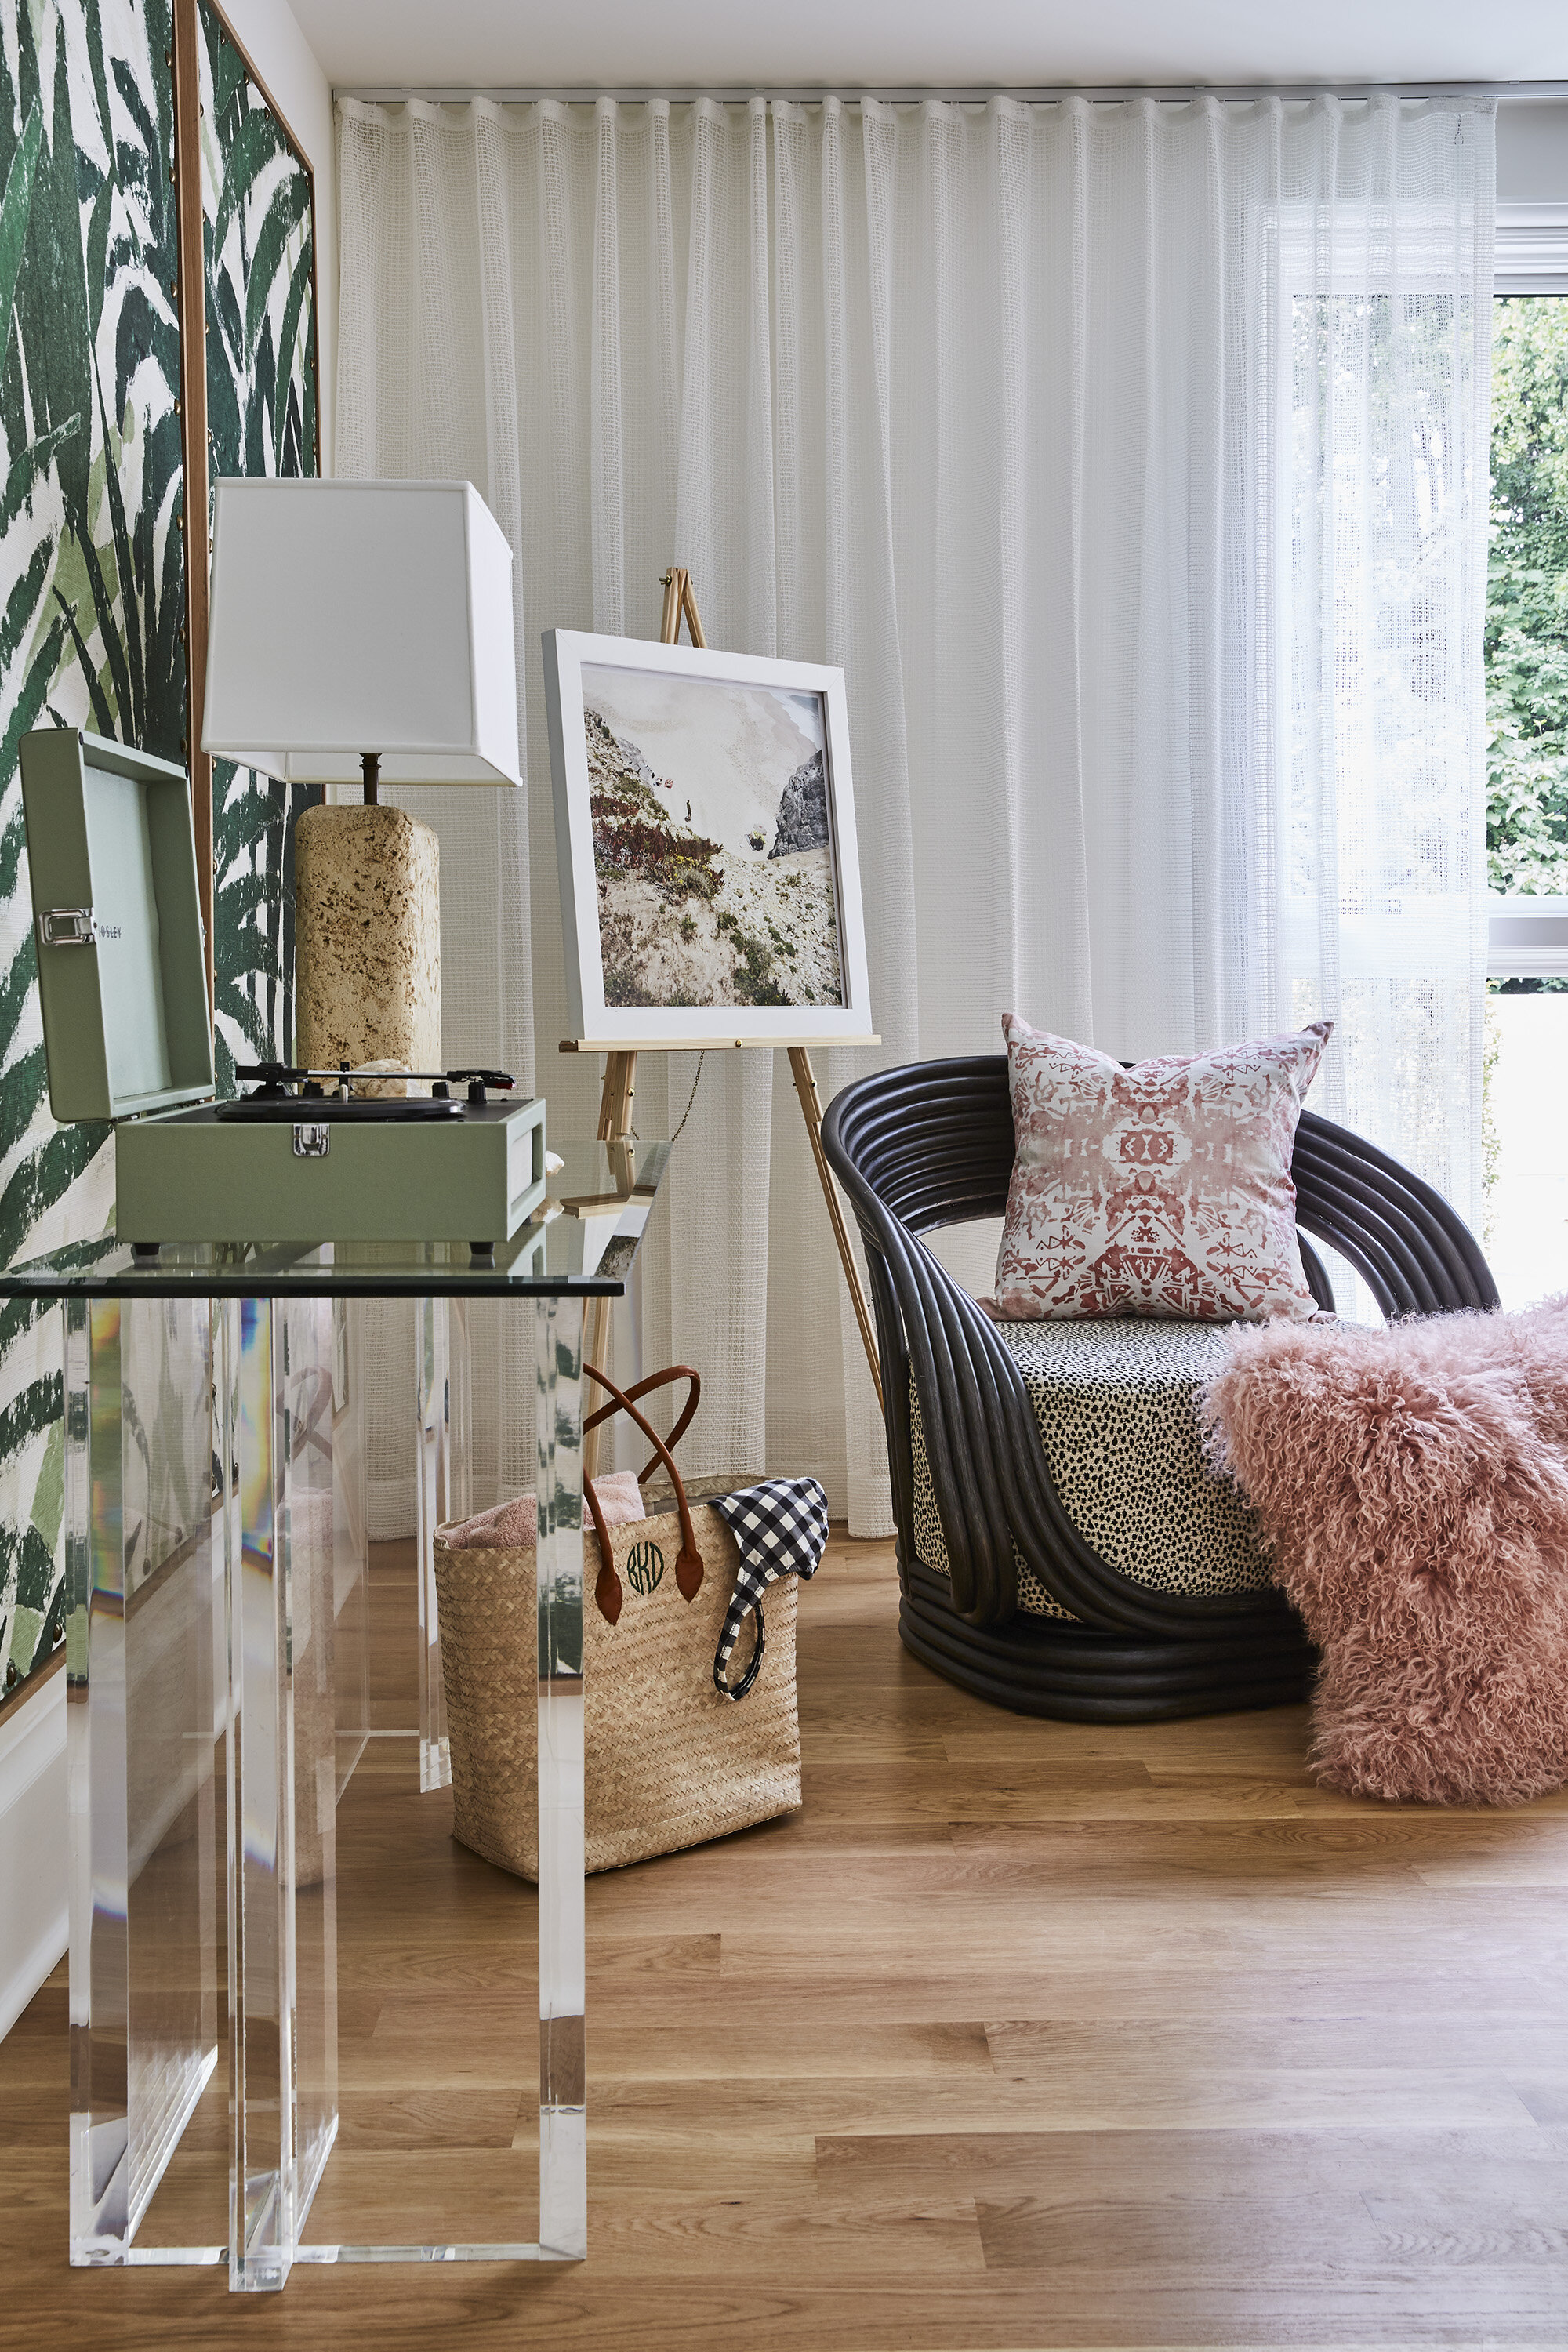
(34, 1886)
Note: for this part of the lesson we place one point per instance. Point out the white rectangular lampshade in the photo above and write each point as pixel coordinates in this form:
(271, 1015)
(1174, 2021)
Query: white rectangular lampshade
(350, 617)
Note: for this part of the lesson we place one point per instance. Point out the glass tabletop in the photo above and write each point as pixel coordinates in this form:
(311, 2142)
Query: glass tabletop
(580, 1242)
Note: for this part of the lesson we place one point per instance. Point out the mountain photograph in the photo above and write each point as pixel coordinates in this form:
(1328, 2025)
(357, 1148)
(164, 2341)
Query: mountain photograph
(712, 841)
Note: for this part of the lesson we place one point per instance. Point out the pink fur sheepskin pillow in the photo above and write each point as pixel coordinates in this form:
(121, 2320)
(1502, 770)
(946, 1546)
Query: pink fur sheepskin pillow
(1412, 1486)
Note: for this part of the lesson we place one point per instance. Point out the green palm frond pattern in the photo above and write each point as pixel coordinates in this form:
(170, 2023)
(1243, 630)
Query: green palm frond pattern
(257, 241)
(91, 609)
(92, 583)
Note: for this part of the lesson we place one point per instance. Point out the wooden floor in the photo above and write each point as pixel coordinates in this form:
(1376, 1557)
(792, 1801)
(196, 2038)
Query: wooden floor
(1019, 2034)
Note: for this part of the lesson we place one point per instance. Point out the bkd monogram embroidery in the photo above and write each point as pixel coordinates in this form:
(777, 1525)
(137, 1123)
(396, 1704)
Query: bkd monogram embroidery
(645, 1566)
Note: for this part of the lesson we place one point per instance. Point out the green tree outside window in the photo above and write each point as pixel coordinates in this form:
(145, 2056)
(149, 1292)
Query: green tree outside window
(1527, 599)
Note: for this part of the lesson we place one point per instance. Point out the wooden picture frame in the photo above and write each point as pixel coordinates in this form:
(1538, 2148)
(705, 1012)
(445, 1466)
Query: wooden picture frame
(742, 972)
(186, 63)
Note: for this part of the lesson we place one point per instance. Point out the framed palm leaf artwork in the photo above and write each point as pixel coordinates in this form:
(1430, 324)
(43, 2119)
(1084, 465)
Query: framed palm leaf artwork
(158, 306)
(91, 612)
(258, 269)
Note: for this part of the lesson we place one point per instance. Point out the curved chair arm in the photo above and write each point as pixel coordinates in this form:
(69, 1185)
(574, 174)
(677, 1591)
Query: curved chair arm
(930, 1145)
(1415, 1253)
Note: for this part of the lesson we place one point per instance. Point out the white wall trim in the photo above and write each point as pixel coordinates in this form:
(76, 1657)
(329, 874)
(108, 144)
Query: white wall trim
(34, 1916)
(1531, 251)
(1527, 937)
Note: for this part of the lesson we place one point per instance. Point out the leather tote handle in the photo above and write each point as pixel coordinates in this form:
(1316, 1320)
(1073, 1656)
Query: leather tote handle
(608, 1595)
(655, 1381)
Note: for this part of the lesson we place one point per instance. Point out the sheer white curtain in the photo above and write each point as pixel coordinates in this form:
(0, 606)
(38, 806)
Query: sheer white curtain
(1131, 460)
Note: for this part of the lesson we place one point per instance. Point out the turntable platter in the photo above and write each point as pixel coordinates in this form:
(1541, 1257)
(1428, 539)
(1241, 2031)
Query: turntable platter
(366, 1111)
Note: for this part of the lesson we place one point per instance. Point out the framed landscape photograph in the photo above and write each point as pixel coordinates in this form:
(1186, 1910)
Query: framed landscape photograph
(705, 825)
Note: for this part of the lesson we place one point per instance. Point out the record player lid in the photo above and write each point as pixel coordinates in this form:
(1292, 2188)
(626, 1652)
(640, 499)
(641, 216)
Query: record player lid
(111, 854)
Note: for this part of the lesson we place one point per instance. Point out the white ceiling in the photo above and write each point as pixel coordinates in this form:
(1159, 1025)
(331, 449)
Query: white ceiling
(930, 44)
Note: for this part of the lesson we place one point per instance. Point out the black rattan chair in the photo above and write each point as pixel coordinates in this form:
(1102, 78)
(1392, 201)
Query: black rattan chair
(932, 1145)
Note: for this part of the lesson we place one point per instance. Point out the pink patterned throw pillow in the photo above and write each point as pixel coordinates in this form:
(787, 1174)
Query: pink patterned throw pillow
(1163, 1189)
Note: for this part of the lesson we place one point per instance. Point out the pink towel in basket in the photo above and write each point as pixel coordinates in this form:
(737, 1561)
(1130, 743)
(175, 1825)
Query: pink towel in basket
(517, 1521)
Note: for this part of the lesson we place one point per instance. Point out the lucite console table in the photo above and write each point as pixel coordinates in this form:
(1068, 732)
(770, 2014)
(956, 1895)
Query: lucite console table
(220, 1635)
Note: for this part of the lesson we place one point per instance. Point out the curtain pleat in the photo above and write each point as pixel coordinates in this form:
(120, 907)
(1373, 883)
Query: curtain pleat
(1131, 458)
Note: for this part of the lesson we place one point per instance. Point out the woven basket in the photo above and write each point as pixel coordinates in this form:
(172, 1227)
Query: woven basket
(669, 1763)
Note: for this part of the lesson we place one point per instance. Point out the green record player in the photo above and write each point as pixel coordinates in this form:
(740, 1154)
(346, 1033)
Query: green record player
(305, 1156)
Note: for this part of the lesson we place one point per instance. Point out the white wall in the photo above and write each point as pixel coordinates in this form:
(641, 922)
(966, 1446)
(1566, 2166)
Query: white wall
(33, 1845)
(268, 33)
(1526, 1208)
(1532, 152)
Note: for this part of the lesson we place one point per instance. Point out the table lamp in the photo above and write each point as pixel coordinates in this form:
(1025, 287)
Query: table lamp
(361, 633)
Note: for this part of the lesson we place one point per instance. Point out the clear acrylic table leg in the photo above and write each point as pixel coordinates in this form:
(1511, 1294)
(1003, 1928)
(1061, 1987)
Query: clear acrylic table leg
(562, 2134)
(432, 1466)
(351, 1538)
(282, 1783)
(562, 2114)
(201, 1456)
(457, 1497)
(143, 1547)
(563, 2120)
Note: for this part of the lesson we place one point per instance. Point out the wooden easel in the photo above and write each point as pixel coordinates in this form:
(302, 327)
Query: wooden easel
(620, 1086)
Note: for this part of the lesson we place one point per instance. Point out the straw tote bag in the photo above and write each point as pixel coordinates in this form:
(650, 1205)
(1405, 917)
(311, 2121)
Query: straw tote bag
(670, 1763)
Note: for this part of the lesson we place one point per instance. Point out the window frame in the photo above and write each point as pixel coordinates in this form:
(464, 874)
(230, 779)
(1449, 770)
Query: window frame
(1527, 937)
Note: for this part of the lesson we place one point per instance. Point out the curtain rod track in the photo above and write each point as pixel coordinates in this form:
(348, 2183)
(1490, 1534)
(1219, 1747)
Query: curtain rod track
(1043, 94)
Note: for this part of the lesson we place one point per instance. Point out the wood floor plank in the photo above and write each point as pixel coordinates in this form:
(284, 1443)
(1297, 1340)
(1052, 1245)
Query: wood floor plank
(659, 2231)
(1525, 2224)
(1181, 2048)
(1191, 2232)
(1517, 2161)
(1434, 2004)
(1102, 2095)
(1543, 2096)
(773, 2047)
(1020, 2035)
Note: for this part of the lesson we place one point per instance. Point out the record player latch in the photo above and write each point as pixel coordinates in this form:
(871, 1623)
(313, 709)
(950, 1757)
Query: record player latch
(67, 927)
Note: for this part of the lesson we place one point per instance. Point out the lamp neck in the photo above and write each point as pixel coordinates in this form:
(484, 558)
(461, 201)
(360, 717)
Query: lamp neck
(370, 761)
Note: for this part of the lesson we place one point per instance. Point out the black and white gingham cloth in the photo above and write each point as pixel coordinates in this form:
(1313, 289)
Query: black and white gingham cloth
(780, 1529)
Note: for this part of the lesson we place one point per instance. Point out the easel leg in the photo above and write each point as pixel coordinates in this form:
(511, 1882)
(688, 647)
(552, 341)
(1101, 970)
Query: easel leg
(615, 1100)
(615, 1125)
(811, 1110)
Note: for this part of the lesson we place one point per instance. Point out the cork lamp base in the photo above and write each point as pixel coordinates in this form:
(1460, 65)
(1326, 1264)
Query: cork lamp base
(367, 938)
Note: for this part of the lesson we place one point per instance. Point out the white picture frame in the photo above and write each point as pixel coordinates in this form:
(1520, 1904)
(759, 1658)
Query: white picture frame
(620, 1026)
